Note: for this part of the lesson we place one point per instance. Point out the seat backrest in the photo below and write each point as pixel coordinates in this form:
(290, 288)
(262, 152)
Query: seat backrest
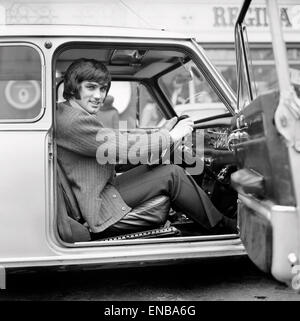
(68, 214)
(70, 218)
(70, 199)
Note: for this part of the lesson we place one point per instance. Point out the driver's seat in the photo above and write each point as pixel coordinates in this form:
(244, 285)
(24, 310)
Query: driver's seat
(70, 222)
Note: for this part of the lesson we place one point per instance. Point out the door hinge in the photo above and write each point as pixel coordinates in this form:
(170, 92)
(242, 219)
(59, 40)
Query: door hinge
(50, 148)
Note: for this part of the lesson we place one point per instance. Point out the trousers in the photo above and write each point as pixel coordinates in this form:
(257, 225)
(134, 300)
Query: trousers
(145, 182)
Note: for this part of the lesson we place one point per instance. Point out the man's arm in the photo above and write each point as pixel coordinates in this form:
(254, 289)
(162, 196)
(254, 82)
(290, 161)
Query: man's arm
(84, 134)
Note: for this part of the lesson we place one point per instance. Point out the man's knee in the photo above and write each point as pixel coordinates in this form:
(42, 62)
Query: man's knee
(171, 172)
(176, 170)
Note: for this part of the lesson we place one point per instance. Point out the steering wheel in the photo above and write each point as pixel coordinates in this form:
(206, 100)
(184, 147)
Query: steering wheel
(188, 152)
(175, 146)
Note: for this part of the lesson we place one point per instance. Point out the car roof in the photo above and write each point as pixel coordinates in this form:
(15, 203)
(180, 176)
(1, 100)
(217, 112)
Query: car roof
(60, 30)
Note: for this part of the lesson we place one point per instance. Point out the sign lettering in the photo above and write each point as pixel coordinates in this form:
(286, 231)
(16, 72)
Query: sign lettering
(256, 17)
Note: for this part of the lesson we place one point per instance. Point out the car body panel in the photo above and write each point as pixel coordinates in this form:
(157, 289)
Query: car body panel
(27, 185)
(268, 161)
(27, 198)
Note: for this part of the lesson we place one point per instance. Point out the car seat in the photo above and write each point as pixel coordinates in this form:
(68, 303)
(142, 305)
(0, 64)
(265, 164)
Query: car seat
(70, 222)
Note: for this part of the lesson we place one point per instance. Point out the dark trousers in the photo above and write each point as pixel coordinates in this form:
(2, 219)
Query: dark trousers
(143, 183)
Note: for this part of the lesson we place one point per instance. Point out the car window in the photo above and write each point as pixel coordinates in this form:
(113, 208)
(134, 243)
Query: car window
(264, 72)
(136, 105)
(128, 105)
(244, 88)
(20, 83)
(260, 62)
(189, 92)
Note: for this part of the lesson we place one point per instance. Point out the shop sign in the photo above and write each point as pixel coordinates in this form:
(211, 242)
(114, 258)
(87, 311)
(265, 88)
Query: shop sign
(256, 17)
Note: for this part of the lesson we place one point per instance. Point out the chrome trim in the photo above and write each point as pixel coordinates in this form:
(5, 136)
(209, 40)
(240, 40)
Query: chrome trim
(242, 65)
(135, 256)
(157, 240)
(265, 208)
(285, 209)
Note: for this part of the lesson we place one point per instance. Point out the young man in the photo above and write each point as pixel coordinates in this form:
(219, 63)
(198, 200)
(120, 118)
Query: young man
(106, 201)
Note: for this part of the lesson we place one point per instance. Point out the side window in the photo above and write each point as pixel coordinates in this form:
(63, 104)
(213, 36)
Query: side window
(128, 105)
(20, 83)
(264, 71)
(189, 92)
(244, 84)
(263, 65)
(294, 63)
(150, 115)
(136, 106)
(257, 74)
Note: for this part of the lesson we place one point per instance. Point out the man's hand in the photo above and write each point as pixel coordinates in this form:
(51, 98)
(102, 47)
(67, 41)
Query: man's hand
(169, 124)
(183, 128)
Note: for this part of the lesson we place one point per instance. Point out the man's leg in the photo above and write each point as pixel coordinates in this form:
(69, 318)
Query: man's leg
(143, 183)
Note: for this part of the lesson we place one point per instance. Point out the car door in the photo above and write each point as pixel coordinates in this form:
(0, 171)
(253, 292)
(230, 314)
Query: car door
(264, 139)
(25, 144)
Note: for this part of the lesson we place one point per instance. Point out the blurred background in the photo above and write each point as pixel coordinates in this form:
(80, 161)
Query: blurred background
(211, 23)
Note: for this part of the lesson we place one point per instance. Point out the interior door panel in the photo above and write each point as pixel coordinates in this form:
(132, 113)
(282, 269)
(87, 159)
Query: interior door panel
(264, 151)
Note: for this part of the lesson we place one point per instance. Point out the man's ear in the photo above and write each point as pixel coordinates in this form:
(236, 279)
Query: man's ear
(76, 92)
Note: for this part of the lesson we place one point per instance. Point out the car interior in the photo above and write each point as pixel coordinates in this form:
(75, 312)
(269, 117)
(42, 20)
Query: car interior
(143, 74)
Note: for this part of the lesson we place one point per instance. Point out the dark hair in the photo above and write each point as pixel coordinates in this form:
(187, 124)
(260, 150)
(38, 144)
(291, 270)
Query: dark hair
(84, 70)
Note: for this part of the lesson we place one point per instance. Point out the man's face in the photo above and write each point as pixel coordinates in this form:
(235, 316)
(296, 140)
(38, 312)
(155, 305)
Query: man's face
(92, 95)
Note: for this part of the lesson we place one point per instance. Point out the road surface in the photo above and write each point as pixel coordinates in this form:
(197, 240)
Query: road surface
(229, 279)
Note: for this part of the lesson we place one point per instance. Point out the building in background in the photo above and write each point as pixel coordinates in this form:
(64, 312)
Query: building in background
(211, 23)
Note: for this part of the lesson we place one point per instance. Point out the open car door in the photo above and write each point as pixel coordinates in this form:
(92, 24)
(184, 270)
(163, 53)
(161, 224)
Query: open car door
(266, 141)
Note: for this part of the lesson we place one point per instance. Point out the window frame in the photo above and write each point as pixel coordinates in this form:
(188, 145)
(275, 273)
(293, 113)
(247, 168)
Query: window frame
(43, 100)
(243, 72)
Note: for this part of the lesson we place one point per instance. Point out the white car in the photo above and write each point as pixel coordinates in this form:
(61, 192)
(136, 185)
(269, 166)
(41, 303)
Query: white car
(253, 173)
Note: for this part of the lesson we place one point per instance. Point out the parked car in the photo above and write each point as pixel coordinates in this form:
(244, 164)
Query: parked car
(248, 161)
